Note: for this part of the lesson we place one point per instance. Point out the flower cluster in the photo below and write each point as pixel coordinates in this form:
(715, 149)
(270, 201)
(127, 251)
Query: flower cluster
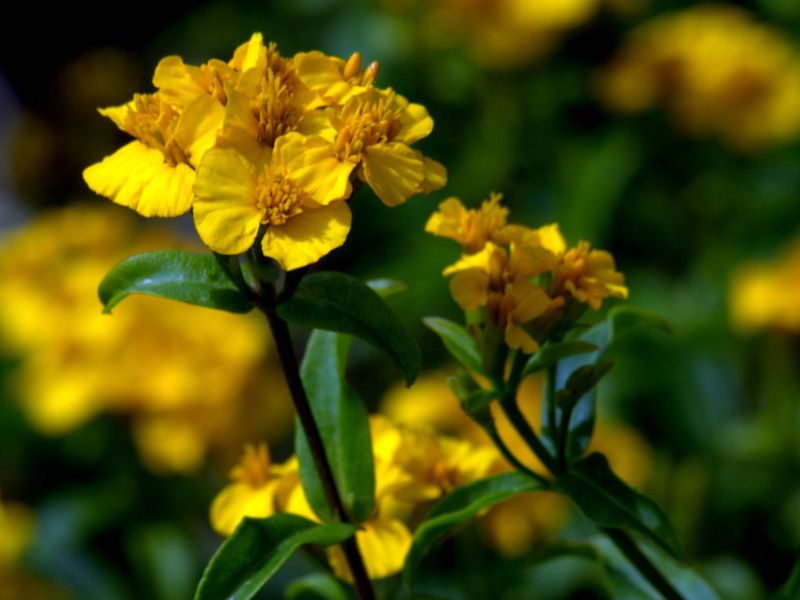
(514, 526)
(521, 281)
(189, 378)
(266, 147)
(716, 71)
(413, 468)
(767, 296)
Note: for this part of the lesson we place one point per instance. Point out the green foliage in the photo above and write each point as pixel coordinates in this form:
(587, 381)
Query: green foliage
(344, 426)
(550, 354)
(791, 589)
(338, 302)
(461, 505)
(457, 341)
(609, 502)
(317, 586)
(256, 550)
(180, 275)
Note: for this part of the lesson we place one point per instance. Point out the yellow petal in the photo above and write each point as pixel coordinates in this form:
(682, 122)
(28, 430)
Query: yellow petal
(198, 126)
(311, 163)
(250, 55)
(394, 171)
(180, 83)
(118, 114)
(239, 126)
(551, 239)
(518, 338)
(415, 124)
(239, 500)
(225, 212)
(137, 176)
(470, 289)
(309, 236)
(478, 260)
(435, 176)
(322, 74)
(317, 122)
(384, 544)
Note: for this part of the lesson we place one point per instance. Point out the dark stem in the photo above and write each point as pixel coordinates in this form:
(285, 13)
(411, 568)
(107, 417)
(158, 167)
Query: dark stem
(550, 400)
(283, 342)
(629, 548)
(509, 456)
(563, 437)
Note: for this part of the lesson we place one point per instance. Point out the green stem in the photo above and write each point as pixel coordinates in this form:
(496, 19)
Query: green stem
(509, 456)
(550, 400)
(631, 551)
(563, 437)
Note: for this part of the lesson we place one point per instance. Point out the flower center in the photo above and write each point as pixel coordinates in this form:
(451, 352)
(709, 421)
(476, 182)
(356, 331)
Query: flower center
(254, 467)
(371, 123)
(153, 121)
(278, 197)
(275, 107)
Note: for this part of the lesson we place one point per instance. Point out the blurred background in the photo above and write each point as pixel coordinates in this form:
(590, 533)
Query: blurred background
(664, 131)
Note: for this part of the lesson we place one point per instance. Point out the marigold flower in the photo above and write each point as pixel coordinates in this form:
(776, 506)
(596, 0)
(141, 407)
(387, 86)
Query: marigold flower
(716, 71)
(471, 228)
(374, 130)
(293, 192)
(154, 174)
(589, 276)
(255, 491)
(334, 80)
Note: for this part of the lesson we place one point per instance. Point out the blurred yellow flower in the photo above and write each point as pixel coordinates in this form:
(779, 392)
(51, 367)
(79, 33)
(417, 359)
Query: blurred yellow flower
(188, 377)
(716, 71)
(514, 526)
(257, 490)
(292, 192)
(767, 295)
(471, 228)
(589, 276)
(16, 532)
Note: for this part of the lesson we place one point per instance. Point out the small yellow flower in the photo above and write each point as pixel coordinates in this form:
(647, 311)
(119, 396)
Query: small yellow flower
(257, 489)
(293, 192)
(17, 525)
(471, 228)
(589, 276)
(154, 174)
(374, 130)
(334, 80)
(767, 295)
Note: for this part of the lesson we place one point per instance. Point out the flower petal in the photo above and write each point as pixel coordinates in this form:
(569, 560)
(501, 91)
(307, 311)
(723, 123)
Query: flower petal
(198, 126)
(394, 171)
(239, 126)
(239, 500)
(225, 212)
(415, 124)
(309, 236)
(384, 544)
(178, 82)
(312, 164)
(137, 176)
(435, 176)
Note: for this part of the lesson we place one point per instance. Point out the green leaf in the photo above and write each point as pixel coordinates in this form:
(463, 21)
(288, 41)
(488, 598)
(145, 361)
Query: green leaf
(180, 275)
(790, 589)
(317, 586)
(338, 302)
(619, 322)
(550, 354)
(607, 501)
(344, 426)
(459, 506)
(457, 341)
(256, 550)
(387, 287)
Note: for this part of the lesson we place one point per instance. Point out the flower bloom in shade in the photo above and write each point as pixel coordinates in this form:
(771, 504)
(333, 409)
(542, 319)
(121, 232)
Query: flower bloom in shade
(255, 491)
(589, 276)
(766, 295)
(521, 278)
(294, 192)
(189, 381)
(413, 468)
(514, 526)
(716, 71)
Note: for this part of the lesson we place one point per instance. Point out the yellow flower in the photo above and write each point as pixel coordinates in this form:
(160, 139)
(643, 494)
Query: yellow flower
(767, 295)
(501, 283)
(334, 80)
(375, 130)
(716, 71)
(256, 490)
(194, 373)
(292, 192)
(154, 174)
(470, 228)
(589, 276)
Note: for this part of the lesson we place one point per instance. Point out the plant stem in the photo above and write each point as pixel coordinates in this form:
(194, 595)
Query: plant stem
(550, 400)
(563, 437)
(509, 456)
(283, 343)
(631, 551)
